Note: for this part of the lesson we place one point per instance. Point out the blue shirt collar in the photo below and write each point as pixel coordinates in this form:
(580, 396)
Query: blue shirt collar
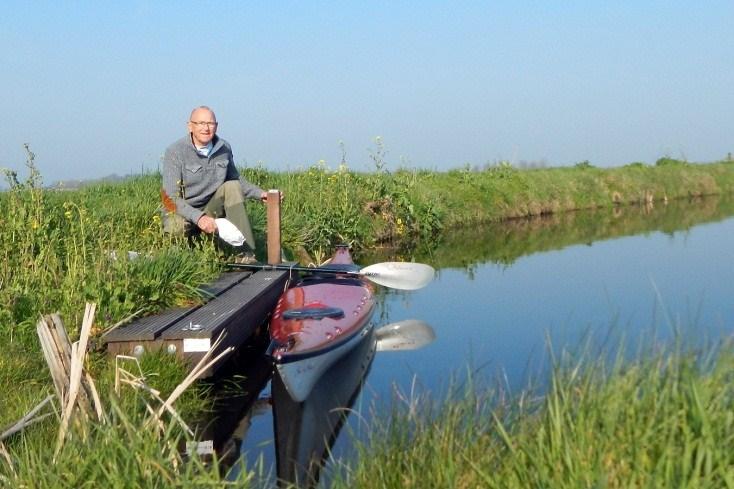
(206, 150)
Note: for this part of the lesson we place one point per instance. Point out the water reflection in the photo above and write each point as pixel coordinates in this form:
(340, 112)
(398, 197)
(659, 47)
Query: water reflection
(505, 242)
(236, 391)
(519, 289)
(304, 432)
(492, 308)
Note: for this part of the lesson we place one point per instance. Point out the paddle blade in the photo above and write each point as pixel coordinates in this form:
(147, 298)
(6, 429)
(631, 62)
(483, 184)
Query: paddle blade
(410, 334)
(399, 275)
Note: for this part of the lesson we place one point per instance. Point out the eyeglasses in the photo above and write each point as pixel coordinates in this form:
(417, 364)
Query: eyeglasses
(203, 123)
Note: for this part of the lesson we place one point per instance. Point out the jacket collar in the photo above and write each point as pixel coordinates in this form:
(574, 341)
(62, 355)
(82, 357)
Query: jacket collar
(217, 144)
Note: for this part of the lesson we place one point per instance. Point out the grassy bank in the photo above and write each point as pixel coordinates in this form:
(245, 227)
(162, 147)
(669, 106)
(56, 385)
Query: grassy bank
(125, 451)
(662, 421)
(399, 208)
(60, 249)
(506, 241)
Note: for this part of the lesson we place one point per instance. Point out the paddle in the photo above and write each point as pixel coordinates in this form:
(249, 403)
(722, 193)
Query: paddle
(395, 275)
(409, 334)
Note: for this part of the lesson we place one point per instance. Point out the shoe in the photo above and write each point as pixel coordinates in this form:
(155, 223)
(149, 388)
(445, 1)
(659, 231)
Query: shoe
(245, 259)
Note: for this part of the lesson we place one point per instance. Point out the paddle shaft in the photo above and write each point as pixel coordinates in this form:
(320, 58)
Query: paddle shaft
(403, 276)
(255, 266)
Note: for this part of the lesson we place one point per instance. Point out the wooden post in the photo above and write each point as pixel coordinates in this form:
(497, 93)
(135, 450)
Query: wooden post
(273, 203)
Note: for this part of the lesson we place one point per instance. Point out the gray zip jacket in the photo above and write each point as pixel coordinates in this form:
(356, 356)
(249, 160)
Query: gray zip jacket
(190, 179)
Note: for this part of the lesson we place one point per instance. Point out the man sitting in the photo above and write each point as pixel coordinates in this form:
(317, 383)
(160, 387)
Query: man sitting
(201, 183)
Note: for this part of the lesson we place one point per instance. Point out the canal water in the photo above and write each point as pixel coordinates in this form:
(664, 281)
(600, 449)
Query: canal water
(506, 295)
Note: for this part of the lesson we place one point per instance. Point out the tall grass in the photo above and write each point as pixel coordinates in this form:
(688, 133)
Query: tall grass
(132, 447)
(664, 420)
(125, 451)
(60, 249)
(323, 207)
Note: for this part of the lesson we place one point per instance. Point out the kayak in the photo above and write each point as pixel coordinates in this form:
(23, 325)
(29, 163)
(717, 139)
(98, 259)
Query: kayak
(317, 321)
(306, 431)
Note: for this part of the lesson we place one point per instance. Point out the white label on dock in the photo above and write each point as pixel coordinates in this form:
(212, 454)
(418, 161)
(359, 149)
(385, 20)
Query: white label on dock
(196, 344)
(200, 447)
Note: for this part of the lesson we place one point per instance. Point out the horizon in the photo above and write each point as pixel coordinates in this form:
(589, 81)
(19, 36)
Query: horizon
(102, 89)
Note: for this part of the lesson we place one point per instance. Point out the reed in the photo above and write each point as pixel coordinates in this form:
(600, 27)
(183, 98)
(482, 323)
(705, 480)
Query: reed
(136, 439)
(59, 249)
(663, 420)
(115, 454)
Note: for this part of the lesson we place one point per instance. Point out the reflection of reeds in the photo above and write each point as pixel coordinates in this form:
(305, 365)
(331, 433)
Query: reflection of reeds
(506, 241)
(617, 198)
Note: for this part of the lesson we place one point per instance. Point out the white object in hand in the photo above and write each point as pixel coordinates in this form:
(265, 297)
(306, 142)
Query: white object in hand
(229, 232)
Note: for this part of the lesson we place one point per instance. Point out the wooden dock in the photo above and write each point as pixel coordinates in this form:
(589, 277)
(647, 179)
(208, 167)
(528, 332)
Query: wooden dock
(240, 303)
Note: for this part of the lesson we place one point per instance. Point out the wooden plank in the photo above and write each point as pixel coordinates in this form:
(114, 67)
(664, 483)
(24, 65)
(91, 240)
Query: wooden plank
(128, 347)
(150, 328)
(237, 312)
(225, 282)
(244, 306)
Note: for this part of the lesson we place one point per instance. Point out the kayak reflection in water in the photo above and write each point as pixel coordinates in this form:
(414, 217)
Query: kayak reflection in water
(306, 431)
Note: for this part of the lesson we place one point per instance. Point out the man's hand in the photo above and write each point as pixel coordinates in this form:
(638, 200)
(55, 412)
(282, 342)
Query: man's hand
(207, 224)
(264, 197)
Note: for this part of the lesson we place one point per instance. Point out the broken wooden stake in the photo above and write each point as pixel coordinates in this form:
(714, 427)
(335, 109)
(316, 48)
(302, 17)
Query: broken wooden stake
(78, 354)
(27, 420)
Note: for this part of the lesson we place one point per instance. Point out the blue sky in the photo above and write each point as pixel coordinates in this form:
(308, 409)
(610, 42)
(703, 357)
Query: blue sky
(101, 87)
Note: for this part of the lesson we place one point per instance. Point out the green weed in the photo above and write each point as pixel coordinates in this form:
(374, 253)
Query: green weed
(660, 421)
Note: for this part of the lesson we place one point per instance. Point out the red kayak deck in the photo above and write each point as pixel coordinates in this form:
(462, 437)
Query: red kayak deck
(317, 321)
(322, 311)
(330, 309)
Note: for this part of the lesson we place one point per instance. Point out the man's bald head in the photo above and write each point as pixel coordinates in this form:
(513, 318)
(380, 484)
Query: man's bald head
(202, 110)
